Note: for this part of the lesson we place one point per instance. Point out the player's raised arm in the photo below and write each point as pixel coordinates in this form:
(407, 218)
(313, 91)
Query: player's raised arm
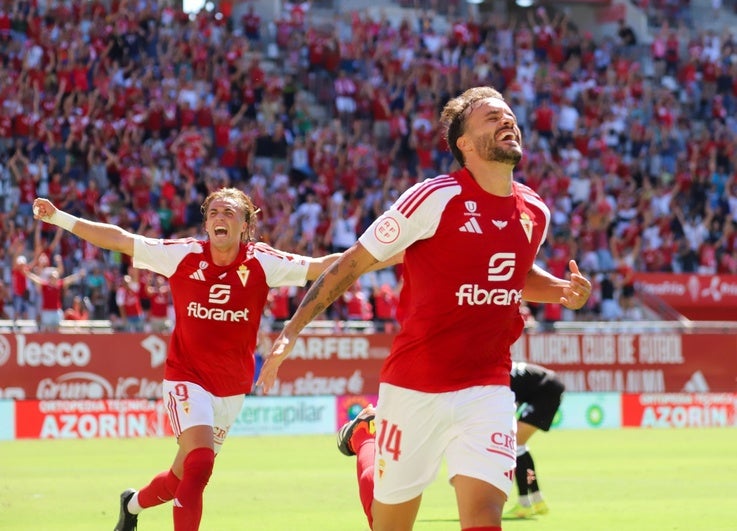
(102, 235)
(319, 265)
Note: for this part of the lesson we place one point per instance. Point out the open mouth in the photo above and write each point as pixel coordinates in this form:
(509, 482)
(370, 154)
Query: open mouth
(220, 231)
(507, 135)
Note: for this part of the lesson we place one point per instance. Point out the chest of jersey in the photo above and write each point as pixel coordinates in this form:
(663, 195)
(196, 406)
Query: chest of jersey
(204, 291)
(485, 240)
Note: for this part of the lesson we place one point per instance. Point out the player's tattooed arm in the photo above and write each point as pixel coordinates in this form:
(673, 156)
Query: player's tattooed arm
(336, 280)
(328, 286)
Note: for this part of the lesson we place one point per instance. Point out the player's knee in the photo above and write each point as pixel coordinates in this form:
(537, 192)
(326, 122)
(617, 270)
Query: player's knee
(198, 465)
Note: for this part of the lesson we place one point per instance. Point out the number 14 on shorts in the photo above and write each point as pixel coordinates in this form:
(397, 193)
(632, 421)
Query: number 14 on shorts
(389, 440)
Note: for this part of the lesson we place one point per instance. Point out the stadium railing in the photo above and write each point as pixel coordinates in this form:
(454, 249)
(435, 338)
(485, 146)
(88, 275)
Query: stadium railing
(682, 326)
(328, 326)
(28, 326)
(25, 326)
(90, 326)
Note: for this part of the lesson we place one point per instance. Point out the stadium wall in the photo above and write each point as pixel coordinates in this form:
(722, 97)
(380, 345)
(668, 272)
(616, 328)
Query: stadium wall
(130, 365)
(109, 385)
(310, 415)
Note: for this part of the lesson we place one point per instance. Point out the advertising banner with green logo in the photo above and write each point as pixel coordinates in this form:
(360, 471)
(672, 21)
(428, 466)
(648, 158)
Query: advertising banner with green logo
(589, 411)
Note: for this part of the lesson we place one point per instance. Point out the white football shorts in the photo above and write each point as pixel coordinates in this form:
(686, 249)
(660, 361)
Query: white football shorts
(188, 405)
(474, 429)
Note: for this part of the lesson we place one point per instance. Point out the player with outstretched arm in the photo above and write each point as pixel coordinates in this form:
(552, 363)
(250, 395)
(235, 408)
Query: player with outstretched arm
(219, 288)
(469, 240)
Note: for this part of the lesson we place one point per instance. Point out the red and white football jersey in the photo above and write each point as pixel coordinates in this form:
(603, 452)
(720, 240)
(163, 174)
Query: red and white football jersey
(467, 255)
(217, 308)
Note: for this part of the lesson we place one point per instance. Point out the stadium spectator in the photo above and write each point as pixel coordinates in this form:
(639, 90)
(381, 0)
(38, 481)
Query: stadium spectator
(19, 288)
(251, 25)
(627, 38)
(131, 53)
(78, 311)
(421, 381)
(159, 294)
(210, 357)
(609, 290)
(52, 292)
(386, 302)
(344, 224)
(279, 304)
(5, 299)
(357, 305)
(128, 300)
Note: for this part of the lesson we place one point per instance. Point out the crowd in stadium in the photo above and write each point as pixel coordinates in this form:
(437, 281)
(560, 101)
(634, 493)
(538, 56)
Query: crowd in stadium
(132, 113)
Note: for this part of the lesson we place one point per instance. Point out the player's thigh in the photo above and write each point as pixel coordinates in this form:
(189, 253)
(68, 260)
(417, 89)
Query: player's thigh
(226, 410)
(412, 432)
(480, 504)
(395, 517)
(484, 446)
(187, 405)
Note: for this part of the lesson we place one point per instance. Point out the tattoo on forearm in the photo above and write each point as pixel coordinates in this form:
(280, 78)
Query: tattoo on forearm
(319, 308)
(312, 294)
(341, 287)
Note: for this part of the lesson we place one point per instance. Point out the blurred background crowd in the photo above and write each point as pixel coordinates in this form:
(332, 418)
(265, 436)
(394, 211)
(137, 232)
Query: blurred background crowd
(131, 112)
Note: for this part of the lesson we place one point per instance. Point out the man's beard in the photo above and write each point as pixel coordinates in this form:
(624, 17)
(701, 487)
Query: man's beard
(490, 152)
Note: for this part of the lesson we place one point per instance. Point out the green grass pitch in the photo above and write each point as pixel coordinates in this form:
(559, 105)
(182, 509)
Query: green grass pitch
(649, 480)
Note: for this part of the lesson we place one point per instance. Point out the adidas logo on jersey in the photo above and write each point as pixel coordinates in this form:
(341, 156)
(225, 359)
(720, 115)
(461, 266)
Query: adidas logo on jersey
(471, 226)
(198, 275)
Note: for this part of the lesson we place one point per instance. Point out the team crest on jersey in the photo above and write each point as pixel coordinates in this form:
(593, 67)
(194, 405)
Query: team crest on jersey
(470, 206)
(243, 273)
(526, 223)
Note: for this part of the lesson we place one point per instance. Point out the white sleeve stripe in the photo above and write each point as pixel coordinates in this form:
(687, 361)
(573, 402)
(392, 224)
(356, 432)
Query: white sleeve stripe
(267, 249)
(413, 200)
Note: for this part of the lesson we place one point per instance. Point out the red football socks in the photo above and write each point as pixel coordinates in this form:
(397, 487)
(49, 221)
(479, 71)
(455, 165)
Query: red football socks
(360, 434)
(188, 501)
(160, 490)
(365, 471)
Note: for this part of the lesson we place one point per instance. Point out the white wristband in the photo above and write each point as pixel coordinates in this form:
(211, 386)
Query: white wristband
(63, 220)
